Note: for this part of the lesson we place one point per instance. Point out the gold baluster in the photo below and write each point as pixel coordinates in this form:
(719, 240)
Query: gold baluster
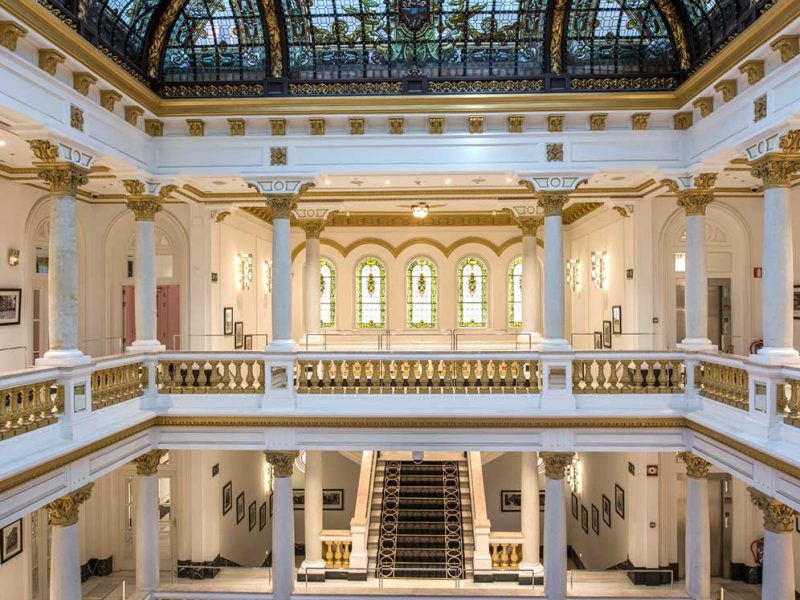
(495, 555)
(514, 558)
(504, 556)
(329, 554)
(534, 376)
(651, 377)
(613, 379)
(250, 380)
(346, 556)
(337, 555)
(601, 376)
(638, 379)
(356, 374)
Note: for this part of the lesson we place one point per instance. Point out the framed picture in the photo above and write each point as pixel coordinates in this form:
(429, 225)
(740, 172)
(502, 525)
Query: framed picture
(606, 510)
(270, 506)
(574, 506)
(227, 497)
(248, 342)
(215, 470)
(606, 334)
(227, 320)
(631, 468)
(542, 498)
(299, 499)
(239, 508)
(595, 519)
(11, 541)
(796, 302)
(262, 516)
(510, 500)
(10, 307)
(598, 340)
(251, 516)
(584, 519)
(238, 335)
(619, 500)
(616, 320)
(333, 499)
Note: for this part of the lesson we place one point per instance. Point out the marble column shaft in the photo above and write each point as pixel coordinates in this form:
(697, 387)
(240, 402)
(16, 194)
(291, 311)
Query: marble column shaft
(65, 567)
(312, 511)
(281, 273)
(555, 525)
(553, 204)
(311, 277)
(529, 513)
(283, 572)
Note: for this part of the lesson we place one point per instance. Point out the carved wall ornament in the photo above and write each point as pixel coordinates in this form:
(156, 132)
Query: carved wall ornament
(475, 124)
(10, 33)
(312, 227)
(82, 81)
(49, 60)
(278, 155)
(277, 126)
(640, 121)
(133, 114)
(705, 181)
(316, 126)
(282, 462)
(109, 99)
(760, 108)
(530, 225)
(696, 467)
(556, 463)
(44, 150)
(597, 121)
(65, 510)
(683, 120)
(197, 127)
(555, 123)
(76, 117)
(788, 46)
(555, 152)
(221, 216)
(236, 127)
(552, 203)
(789, 142)
(705, 105)
(396, 125)
(623, 212)
(356, 125)
(778, 517)
(154, 127)
(281, 206)
(436, 125)
(754, 69)
(516, 123)
(147, 463)
(728, 88)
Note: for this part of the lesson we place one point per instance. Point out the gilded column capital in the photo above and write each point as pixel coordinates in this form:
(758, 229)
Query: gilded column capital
(64, 511)
(694, 194)
(282, 462)
(778, 517)
(142, 202)
(552, 203)
(63, 178)
(696, 467)
(147, 463)
(529, 225)
(312, 227)
(773, 161)
(281, 206)
(556, 463)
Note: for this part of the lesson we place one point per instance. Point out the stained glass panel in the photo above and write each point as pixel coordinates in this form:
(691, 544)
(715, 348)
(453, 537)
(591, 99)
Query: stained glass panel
(515, 293)
(327, 293)
(370, 294)
(472, 300)
(713, 21)
(421, 293)
(122, 24)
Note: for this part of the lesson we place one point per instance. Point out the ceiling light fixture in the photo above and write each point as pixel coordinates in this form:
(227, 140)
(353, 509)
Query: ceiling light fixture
(448, 181)
(2, 142)
(420, 211)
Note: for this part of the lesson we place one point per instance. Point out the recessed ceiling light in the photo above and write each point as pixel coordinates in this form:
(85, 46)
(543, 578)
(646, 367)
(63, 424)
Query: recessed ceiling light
(2, 142)
(218, 182)
(387, 181)
(618, 178)
(509, 180)
(327, 182)
(448, 181)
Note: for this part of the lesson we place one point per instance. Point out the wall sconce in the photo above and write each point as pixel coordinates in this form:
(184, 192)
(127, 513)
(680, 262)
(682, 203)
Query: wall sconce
(574, 274)
(599, 268)
(244, 271)
(268, 276)
(13, 257)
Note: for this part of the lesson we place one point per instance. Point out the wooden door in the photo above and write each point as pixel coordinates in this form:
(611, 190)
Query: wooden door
(128, 315)
(168, 323)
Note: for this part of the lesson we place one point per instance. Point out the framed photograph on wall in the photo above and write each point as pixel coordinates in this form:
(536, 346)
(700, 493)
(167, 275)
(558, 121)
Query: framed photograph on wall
(299, 499)
(333, 499)
(595, 519)
(10, 306)
(270, 506)
(542, 499)
(510, 500)
(239, 508)
(574, 505)
(227, 497)
(262, 516)
(584, 519)
(238, 335)
(227, 320)
(606, 510)
(11, 541)
(606, 334)
(796, 302)
(616, 320)
(251, 516)
(248, 342)
(598, 340)
(619, 500)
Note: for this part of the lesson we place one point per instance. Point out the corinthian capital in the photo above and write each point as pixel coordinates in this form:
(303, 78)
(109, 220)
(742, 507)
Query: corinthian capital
(146, 199)
(556, 463)
(530, 225)
(778, 517)
(696, 467)
(776, 159)
(552, 203)
(147, 463)
(282, 462)
(312, 227)
(64, 511)
(694, 193)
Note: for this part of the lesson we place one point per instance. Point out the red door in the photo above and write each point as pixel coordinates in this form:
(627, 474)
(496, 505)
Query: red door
(168, 315)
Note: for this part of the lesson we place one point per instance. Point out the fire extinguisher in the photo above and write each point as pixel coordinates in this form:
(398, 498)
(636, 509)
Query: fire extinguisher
(757, 548)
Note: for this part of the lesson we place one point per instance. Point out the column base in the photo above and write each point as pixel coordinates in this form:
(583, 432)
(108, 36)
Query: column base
(776, 356)
(145, 346)
(63, 358)
(281, 346)
(311, 570)
(697, 345)
(555, 345)
(525, 569)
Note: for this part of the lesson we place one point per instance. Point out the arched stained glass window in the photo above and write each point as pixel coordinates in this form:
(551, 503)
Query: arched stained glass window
(713, 21)
(472, 294)
(122, 24)
(617, 37)
(421, 285)
(370, 293)
(217, 40)
(327, 293)
(515, 293)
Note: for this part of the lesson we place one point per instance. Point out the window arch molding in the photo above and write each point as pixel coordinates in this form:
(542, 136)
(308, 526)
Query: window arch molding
(327, 292)
(371, 279)
(472, 292)
(422, 293)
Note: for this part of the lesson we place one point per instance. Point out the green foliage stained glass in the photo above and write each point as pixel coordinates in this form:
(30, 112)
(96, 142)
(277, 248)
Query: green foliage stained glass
(370, 294)
(472, 296)
(421, 294)
(327, 293)
(515, 293)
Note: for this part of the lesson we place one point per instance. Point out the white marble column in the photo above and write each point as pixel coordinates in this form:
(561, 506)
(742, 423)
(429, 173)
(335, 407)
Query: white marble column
(65, 561)
(311, 276)
(147, 517)
(698, 528)
(555, 524)
(554, 332)
(531, 287)
(64, 179)
(283, 573)
(776, 171)
(777, 581)
(530, 565)
(312, 513)
(281, 273)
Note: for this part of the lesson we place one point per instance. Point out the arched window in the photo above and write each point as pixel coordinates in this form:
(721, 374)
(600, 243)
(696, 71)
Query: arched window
(472, 303)
(327, 293)
(370, 293)
(421, 294)
(515, 293)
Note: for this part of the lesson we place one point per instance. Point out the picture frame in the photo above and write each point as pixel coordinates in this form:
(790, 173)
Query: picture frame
(510, 500)
(227, 320)
(606, 510)
(298, 499)
(11, 541)
(240, 508)
(542, 500)
(227, 498)
(10, 306)
(238, 335)
(606, 334)
(251, 516)
(631, 468)
(619, 500)
(270, 506)
(248, 342)
(796, 302)
(616, 319)
(584, 519)
(262, 516)
(333, 499)
(574, 505)
(598, 340)
(595, 519)
(215, 470)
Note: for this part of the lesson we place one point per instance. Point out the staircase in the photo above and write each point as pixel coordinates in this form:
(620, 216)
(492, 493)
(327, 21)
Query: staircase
(421, 521)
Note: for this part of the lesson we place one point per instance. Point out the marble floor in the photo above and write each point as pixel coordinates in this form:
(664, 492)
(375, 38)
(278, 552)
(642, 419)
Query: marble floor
(584, 584)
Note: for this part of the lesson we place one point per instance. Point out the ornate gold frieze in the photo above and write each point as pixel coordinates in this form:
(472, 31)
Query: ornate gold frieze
(516, 123)
(728, 88)
(705, 105)
(282, 462)
(597, 122)
(82, 81)
(236, 127)
(760, 108)
(10, 33)
(312, 227)
(518, 86)
(556, 463)
(356, 125)
(277, 126)
(788, 46)
(754, 69)
(554, 152)
(623, 83)
(778, 518)
(154, 127)
(683, 120)
(557, 36)
(278, 155)
(552, 203)
(555, 123)
(316, 126)
(109, 99)
(366, 88)
(212, 90)
(133, 114)
(64, 511)
(396, 125)
(196, 127)
(696, 467)
(147, 463)
(76, 117)
(436, 125)
(578, 210)
(640, 121)
(49, 60)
